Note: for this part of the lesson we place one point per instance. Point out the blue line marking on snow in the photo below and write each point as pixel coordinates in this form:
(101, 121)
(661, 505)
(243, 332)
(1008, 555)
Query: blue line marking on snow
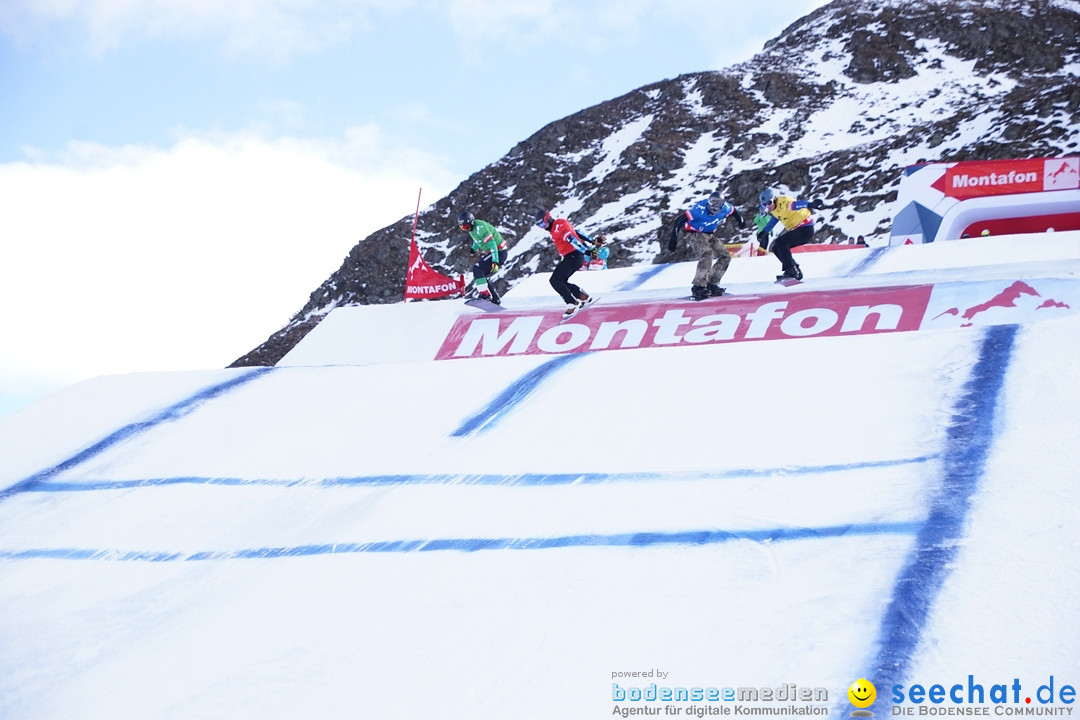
(627, 540)
(522, 480)
(525, 386)
(640, 278)
(968, 443)
(869, 260)
(171, 413)
(511, 397)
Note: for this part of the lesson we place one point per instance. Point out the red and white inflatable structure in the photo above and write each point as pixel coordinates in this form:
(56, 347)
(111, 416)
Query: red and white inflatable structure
(947, 201)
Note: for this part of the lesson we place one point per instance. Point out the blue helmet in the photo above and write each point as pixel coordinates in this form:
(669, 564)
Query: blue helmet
(767, 196)
(465, 220)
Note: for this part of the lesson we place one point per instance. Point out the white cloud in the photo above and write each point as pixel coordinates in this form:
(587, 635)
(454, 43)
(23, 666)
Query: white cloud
(277, 28)
(588, 28)
(123, 259)
(281, 29)
(484, 27)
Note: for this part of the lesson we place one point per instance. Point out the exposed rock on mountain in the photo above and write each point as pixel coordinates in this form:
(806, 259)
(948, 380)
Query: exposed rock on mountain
(834, 107)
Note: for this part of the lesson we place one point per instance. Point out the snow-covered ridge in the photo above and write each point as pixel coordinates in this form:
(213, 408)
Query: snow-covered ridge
(867, 90)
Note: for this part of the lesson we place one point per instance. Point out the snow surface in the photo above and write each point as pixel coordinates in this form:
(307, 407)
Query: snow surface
(326, 540)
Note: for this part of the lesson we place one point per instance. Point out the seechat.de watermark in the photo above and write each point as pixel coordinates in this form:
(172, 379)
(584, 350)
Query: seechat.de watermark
(973, 697)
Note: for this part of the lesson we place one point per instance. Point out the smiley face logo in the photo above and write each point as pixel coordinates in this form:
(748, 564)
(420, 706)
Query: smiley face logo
(862, 693)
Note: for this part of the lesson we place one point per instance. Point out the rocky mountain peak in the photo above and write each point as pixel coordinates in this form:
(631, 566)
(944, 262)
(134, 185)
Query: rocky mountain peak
(836, 106)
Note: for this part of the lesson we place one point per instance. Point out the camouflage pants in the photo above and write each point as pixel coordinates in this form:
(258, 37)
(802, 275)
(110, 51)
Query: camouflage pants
(713, 257)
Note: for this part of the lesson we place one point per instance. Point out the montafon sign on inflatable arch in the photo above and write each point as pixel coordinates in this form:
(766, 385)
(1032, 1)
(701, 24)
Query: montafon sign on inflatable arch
(946, 201)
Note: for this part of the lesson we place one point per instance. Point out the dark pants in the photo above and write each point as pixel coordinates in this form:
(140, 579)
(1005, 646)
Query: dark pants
(482, 267)
(792, 238)
(560, 277)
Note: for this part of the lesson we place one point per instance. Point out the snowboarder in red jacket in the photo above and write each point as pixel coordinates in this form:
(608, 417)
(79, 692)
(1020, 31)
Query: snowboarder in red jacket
(572, 246)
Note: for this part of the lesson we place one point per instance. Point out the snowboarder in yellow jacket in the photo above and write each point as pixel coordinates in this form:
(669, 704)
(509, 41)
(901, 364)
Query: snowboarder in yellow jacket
(798, 224)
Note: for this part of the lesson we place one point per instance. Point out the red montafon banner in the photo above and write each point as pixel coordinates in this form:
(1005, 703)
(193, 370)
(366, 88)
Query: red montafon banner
(773, 316)
(1008, 177)
(423, 283)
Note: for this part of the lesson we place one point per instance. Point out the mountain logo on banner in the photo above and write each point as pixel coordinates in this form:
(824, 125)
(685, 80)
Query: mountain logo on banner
(423, 283)
(1009, 298)
(1062, 174)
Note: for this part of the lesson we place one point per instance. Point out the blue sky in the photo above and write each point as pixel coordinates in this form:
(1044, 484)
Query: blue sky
(177, 175)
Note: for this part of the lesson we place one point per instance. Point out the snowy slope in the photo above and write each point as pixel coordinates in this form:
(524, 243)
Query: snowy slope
(337, 537)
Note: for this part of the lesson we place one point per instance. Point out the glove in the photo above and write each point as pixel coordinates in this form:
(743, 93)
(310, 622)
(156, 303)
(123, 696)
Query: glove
(600, 239)
(817, 204)
(671, 247)
(763, 239)
(494, 268)
(742, 224)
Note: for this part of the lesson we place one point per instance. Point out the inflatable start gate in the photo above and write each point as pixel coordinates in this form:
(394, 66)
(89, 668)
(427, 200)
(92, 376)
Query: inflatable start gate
(946, 201)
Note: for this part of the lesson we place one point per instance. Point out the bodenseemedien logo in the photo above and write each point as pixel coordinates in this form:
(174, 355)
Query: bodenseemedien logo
(789, 700)
(862, 695)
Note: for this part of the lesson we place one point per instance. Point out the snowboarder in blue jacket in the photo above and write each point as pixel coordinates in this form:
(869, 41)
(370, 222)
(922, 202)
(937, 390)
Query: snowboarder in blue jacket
(699, 224)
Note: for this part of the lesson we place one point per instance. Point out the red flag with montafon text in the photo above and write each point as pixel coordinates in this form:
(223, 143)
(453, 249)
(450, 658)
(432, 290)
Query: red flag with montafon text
(421, 282)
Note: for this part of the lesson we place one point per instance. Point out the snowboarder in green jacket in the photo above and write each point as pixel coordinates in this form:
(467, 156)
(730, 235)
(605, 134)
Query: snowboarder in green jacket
(489, 245)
